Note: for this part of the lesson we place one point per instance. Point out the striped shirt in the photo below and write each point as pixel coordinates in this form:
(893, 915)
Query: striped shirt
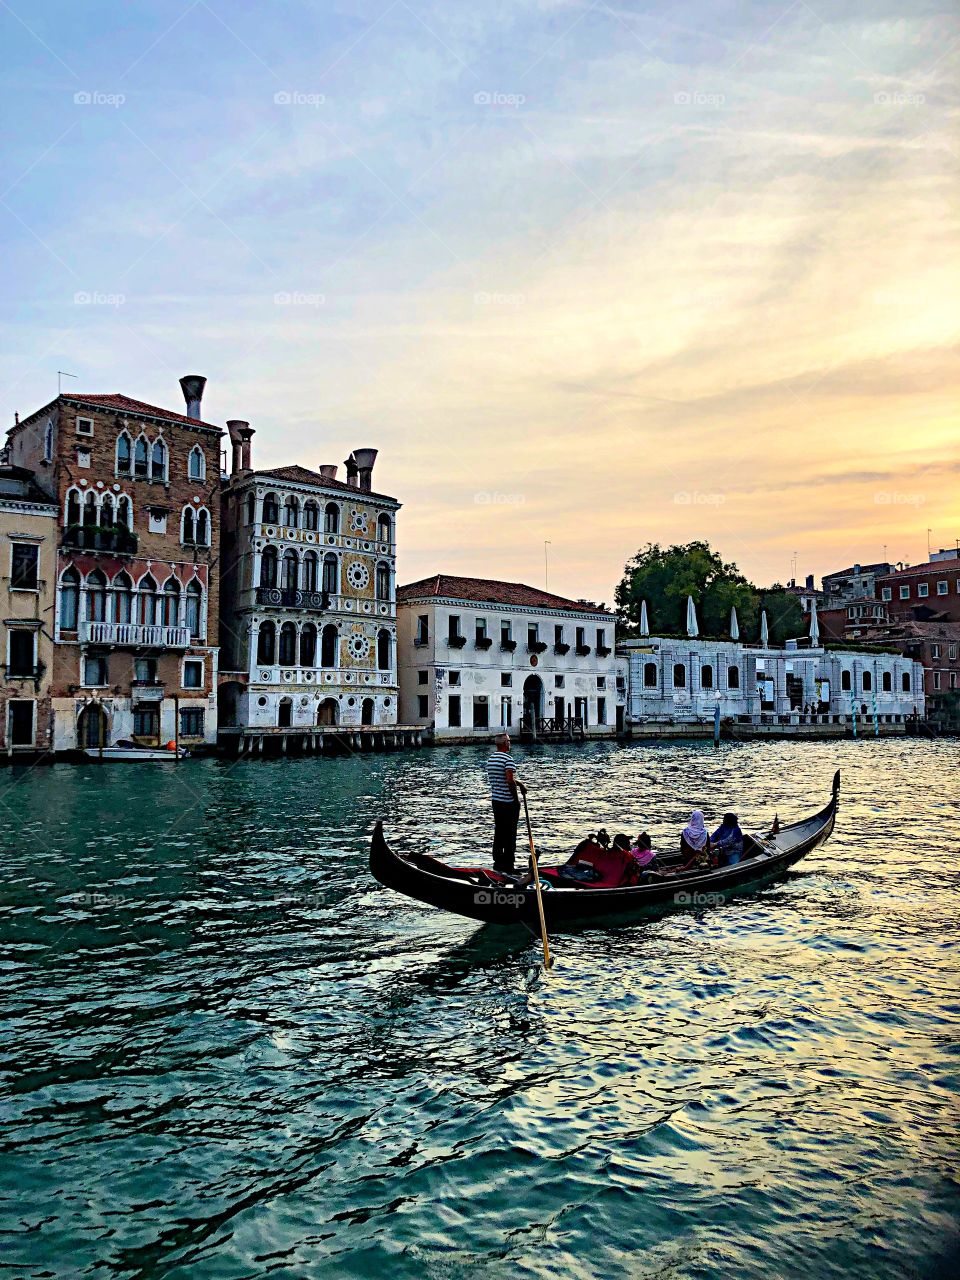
(497, 767)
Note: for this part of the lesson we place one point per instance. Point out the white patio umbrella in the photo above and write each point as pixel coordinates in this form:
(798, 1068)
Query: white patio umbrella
(734, 624)
(764, 629)
(644, 621)
(814, 625)
(692, 628)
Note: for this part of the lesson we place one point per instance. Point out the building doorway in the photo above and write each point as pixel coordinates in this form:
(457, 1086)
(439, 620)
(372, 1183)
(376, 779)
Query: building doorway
(533, 701)
(92, 728)
(285, 713)
(21, 722)
(328, 712)
(366, 711)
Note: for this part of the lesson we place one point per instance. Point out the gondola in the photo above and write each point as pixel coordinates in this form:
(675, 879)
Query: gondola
(474, 892)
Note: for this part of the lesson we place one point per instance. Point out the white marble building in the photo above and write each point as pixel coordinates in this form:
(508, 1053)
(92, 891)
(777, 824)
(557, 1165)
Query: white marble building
(476, 655)
(308, 606)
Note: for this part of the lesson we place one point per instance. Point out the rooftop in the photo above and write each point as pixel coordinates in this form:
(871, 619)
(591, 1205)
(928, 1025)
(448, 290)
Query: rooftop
(928, 566)
(303, 475)
(17, 484)
(448, 586)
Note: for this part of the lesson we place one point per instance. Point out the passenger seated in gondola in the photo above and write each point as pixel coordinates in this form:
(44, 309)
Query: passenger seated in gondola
(642, 853)
(596, 864)
(695, 844)
(727, 841)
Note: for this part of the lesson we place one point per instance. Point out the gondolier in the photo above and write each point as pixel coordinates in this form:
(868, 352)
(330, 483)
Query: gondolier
(505, 792)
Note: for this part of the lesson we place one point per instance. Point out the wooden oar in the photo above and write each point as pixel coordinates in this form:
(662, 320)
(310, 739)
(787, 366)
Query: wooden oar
(536, 880)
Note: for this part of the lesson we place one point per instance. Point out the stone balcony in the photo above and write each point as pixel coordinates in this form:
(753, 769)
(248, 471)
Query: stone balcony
(134, 634)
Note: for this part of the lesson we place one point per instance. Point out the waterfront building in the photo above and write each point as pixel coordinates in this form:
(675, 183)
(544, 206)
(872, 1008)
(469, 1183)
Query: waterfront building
(928, 592)
(674, 681)
(135, 621)
(477, 655)
(308, 597)
(28, 545)
(807, 594)
(858, 582)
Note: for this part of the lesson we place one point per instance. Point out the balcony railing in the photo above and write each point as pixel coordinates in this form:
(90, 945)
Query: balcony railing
(134, 633)
(288, 598)
(116, 540)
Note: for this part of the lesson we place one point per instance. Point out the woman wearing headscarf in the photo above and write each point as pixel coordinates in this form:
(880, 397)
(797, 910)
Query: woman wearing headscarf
(695, 842)
(727, 840)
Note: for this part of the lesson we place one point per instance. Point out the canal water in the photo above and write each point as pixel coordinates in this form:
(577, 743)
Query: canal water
(227, 1053)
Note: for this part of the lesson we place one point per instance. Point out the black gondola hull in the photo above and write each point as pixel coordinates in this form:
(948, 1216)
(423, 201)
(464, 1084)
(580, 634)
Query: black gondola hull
(450, 889)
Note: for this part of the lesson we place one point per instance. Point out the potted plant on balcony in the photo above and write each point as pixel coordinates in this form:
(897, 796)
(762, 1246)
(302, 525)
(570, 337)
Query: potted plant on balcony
(582, 650)
(483, 642)
(561, 648)
(537, 646)
(456, 642)
(508, 646)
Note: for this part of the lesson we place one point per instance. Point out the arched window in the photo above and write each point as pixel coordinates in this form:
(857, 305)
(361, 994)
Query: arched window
(291, 512)
(733, 678)
(268, 567)
(905, 682)
(196, 464)
(69, 600)
(106, 512)
(90, 513)
(308, 646)
(124, 516)
(188, 533)
(310, 563)
(203, 527)
(328, 646)
(887, 682)
(122, 598)
(124, 454)
(649, 675)
(291, 569)
(288, 645)
(194, 613)
(141, 455)
(311, 515)
(48, 443)
(383, 582)
(96, 597)
(384, 529)
(171, 603)
(383, 649)
(158, 461)
(679, 675)
(251, 508)
(149, 601)
(331, 518)
(846, 684)
(73, 506)
(266, 643)
(271, 509)
(331, 575)
(866, 682)
(706, 677)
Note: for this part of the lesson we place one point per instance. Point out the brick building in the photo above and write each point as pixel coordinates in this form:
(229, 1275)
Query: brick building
(28, 570)
(923, 592)
(136, 488)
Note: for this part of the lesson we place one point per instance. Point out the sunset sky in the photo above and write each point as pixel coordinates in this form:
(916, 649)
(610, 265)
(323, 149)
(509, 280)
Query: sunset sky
(601, 274)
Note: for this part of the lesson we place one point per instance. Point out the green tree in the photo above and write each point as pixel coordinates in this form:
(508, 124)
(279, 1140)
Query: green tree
(665, 576)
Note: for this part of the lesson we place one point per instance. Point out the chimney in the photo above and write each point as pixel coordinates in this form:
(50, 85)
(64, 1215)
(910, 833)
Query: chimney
(240, 435)
(809, 581)
(328, 470)
(353, 471)
(192, 387)
(365, 460)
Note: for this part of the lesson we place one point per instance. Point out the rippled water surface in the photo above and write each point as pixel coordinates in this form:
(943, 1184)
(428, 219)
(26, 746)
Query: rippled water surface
(228, 1053)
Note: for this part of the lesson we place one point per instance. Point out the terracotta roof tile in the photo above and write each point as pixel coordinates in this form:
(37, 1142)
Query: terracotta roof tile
(124, 404)
(303, 475)
(490, 591)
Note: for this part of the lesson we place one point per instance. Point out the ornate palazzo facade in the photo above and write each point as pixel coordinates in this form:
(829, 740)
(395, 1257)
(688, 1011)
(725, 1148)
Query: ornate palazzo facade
(308, 596)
